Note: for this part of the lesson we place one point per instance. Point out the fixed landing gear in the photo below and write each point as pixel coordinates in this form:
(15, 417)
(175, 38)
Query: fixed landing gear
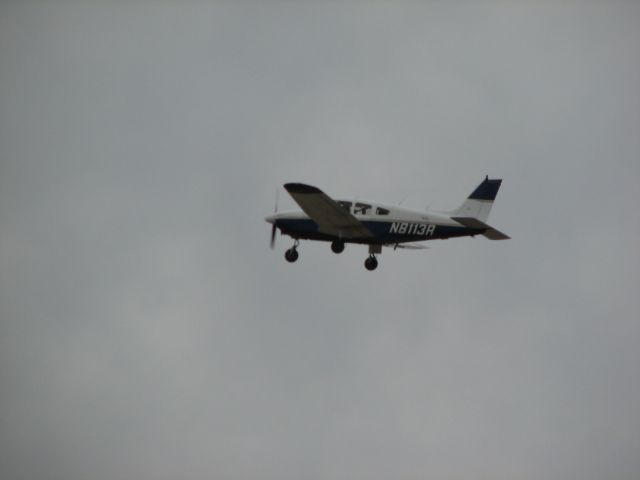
(371, 263)
(337, 246)
(291, 255)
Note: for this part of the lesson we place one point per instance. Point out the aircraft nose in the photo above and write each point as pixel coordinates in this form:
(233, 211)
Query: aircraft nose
(270, 219)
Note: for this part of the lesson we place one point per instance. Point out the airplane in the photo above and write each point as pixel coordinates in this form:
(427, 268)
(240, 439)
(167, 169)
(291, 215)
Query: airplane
(377, 225)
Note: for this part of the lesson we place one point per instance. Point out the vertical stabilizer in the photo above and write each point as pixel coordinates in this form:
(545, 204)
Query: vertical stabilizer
(479, 203)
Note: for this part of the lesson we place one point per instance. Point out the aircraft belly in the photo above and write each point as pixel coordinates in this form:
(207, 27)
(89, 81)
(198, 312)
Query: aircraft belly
(383, 232)
(401, 232)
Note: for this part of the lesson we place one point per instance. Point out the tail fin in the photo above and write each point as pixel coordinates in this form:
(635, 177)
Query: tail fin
(479, 203)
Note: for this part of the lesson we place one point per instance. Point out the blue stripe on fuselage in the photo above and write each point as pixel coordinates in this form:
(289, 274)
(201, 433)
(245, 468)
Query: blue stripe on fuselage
(384, 232)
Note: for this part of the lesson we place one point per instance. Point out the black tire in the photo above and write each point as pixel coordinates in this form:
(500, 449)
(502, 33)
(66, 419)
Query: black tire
(371, 263)
(337, 247)
(291, 255)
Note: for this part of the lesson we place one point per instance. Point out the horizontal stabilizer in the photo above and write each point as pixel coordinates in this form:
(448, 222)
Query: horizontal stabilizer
(487, 230)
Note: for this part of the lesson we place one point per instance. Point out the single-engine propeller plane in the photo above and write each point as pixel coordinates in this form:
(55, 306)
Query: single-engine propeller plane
(378, 225)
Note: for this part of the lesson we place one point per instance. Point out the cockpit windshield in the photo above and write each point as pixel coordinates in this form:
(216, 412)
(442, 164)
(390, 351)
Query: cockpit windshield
(345, 205)
(361, 208)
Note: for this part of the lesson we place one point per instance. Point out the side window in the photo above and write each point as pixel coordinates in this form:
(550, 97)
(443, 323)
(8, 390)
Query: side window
(361, 208)
(345, 205)
(382, 211)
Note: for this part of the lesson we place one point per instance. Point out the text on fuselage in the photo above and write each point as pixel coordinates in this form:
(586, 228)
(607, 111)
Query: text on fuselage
(408, 228)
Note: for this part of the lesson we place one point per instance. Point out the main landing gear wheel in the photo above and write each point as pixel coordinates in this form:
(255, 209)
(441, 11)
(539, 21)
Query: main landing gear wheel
(371, 263)
(337, 247)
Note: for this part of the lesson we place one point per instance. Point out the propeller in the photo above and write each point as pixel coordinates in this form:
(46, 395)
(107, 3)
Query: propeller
(272, 243)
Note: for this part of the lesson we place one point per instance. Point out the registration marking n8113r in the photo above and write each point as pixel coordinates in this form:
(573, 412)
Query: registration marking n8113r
(409, 228)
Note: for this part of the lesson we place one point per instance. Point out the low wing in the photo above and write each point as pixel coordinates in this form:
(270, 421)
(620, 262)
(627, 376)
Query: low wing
(332, 219)
(489, 232)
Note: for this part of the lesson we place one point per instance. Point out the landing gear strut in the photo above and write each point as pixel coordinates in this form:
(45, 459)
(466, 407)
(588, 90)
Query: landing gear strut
(337, 246)
(291, 255)
(371, 263)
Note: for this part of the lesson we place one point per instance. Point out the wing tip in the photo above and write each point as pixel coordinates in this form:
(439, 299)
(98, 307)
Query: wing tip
(301, 188)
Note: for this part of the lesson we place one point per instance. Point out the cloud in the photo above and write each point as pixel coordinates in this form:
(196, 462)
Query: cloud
(146, 330)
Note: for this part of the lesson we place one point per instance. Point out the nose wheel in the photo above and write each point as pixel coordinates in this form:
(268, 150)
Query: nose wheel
(371, 263)
(291, 255)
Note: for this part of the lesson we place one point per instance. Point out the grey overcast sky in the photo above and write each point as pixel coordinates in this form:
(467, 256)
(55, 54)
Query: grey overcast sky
(148, 332)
